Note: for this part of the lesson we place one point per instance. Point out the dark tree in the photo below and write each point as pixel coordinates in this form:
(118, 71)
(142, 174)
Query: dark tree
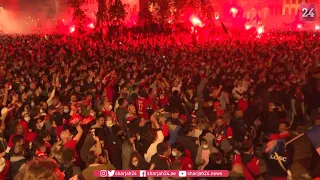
(79, 15)
(117, 12)
(102, 14)
(163, 11)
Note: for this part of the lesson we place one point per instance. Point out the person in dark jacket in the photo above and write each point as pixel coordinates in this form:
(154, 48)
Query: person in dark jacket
(189, 141)
(215, 163)
(17, 161)
(121, 113)
(271, 122)
(237, 126)
(66, 164)
(282, 153)
(161, 160)
(113, 143)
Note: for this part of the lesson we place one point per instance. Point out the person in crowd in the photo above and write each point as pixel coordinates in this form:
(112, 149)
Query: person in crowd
(5, 165)
(100, 122)
(121, 113)
(280, 158)
(71, 142)
(179, 152)
(249, 162)
(238, 127)
(17, 161)
(95, 163)
(204, 151)
(113, 138)
(223, 134)
(189, 141)
(39, 148)
(128, 147)
(215, 162)
(40, 168)
(271, 123)
(175, 166)
(161, 160)
(174, 125)
(153, 148)
(137, 163)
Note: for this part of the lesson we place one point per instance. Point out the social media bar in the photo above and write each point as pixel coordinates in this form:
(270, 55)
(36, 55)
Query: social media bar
(162, 173)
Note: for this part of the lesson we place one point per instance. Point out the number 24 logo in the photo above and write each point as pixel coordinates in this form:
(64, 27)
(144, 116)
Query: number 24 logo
(307, 13)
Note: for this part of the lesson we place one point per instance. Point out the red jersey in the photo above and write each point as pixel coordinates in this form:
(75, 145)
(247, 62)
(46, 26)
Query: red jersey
(163, 98)
(142, 106)
(224, 132)
(253, 165)
(186, 162)
(243, 105)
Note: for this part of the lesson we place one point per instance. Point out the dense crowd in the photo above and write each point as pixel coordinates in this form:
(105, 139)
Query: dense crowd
(71, 104)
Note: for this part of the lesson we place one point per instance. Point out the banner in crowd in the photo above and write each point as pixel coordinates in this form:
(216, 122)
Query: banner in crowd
(314, 135)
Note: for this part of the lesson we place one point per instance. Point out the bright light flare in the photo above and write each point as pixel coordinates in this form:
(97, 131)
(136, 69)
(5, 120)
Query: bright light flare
(260, 30)
(234, 11)
(91, 26)
(195, 21)
(317, 27)
(72, 29)
(299, 26)
(248, 27)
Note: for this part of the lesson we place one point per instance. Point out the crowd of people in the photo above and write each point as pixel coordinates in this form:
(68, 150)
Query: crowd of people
(71, 105)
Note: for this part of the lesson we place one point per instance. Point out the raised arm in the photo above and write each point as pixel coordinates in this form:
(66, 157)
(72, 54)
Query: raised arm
(5, 97)
(79, 134)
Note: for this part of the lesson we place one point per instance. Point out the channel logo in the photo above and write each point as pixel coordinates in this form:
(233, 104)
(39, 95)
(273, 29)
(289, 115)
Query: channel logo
(182, 173)
(143, 173)
(105, 173)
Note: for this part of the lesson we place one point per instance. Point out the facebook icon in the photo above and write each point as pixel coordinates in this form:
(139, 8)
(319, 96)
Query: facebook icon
(143, 173)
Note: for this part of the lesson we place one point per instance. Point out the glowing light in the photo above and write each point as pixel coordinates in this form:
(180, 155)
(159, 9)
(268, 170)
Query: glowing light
(169, 21)
(217, 17)
(63, 20)
(195, 21)
(1, 8)
(260, 30)
(91, 25)
(317, 27)
(72, 29)
(29, 17)
(248, 27)
(234, 11)
(299, 26)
